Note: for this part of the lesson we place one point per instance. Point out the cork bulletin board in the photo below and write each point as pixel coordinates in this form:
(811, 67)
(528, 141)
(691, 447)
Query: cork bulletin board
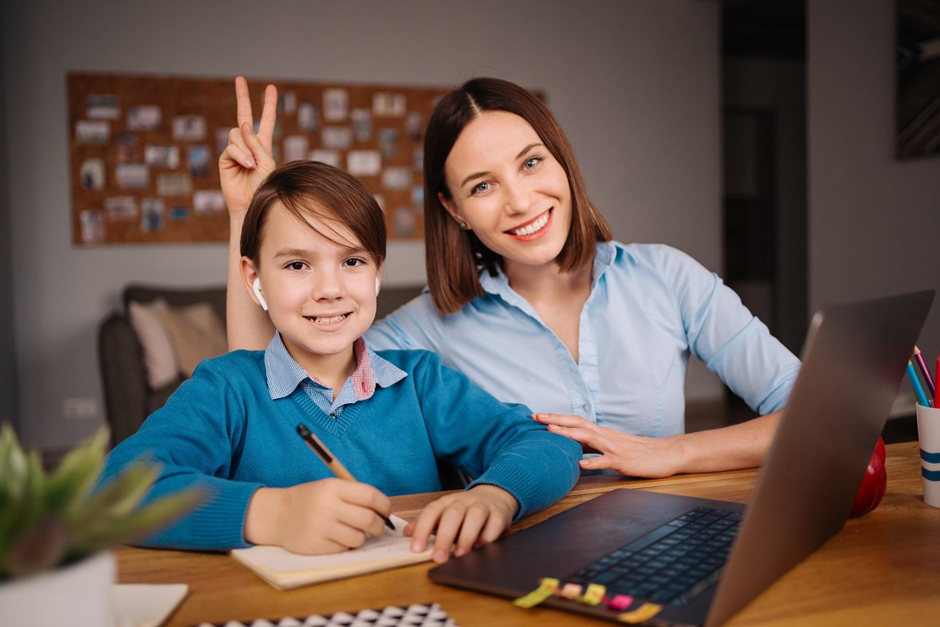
(145, 149)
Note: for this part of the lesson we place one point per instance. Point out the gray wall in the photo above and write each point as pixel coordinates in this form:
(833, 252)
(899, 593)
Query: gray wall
(8, 411)
(634, 83)
(874, 221)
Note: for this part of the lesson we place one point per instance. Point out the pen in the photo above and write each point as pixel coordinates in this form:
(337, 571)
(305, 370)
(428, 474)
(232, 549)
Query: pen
(918, 389)
(924, 370)
(330, 460)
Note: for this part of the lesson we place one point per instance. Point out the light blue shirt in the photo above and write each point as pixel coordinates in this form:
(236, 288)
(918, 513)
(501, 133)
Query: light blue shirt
(650, 307)
(284, 375)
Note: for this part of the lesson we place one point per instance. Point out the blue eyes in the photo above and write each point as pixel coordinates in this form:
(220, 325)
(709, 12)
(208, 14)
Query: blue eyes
(529, 164)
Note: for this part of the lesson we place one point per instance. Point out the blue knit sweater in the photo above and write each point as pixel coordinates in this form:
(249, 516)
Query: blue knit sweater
(222, 430)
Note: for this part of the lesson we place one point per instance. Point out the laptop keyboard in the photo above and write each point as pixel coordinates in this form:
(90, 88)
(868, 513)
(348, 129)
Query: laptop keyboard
(672, 564)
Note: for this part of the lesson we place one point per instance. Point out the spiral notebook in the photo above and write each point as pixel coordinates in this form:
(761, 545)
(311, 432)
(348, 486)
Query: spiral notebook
(416, 615)
(284, 570)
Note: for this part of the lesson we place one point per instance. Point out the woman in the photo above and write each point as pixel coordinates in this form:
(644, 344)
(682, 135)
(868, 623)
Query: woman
(529, 297)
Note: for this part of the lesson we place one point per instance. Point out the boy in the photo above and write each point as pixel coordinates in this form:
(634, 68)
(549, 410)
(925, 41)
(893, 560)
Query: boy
(312, 245)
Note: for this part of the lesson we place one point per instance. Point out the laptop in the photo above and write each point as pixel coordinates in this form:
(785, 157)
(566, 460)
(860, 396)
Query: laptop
(700, 559)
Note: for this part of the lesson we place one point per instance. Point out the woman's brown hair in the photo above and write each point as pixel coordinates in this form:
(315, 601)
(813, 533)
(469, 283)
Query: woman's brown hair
(320, 191)
(454, 257)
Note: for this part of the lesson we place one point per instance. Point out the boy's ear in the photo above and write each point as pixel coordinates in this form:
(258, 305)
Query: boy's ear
(450, 206)
(249, 276)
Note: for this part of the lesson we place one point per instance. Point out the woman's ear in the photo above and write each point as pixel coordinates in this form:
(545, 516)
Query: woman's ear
(451, 207)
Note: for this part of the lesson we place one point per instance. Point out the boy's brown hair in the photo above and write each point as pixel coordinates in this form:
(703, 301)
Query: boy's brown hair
(320, 191)
(453, 255)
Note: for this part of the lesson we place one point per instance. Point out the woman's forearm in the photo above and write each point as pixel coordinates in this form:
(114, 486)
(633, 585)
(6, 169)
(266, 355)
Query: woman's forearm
(729, 448)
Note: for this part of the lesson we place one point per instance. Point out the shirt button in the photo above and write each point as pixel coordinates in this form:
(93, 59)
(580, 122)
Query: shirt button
(332, 414)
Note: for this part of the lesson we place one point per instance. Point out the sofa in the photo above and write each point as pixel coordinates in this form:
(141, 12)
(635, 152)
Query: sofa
(129, 393)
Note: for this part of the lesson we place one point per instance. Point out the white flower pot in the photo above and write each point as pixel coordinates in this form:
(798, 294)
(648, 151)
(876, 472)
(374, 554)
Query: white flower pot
(78, 594)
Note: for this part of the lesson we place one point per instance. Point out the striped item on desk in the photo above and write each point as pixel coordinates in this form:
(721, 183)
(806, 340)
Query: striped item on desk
(414, 616)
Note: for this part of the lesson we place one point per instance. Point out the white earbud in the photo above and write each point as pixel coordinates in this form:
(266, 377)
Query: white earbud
(377, 282)
(256, 288)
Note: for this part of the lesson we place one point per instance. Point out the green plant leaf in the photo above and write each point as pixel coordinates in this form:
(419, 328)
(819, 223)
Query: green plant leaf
(73, 480)
(140, 523)
(119, 496)
(12, 463)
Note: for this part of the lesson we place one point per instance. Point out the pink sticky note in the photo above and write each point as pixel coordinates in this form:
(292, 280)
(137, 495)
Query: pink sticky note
(620, 602)
(570, 591)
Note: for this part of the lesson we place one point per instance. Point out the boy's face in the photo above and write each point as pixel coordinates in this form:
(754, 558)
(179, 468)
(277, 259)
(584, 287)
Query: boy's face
(320, 293)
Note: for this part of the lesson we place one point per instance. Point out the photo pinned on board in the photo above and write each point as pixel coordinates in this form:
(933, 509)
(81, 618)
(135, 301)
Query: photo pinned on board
(102, 107)
(175, 184)
(162, 156)
(396, 178)
(417, 196)
(92, 131)
(132, 176)
(329, 157)
(307, 117)
(414, 126)
(363, 162)
(335, 105)
(405, 222)
(221, 140)
(199, 160)
(296, 148)
(144, 117)
(151, 215)
(388, 105)
(417, 160)
(362, 124)
(178, 213)
(189, 128)
(120, 208)
(286, 102)
(92, 174)
(388, 142)
(126, 148)
(336, 137)
(92, 226)
(208, 201)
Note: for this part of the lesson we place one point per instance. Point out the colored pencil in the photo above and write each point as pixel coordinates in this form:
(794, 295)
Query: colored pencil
(918, 389)
(924, 370)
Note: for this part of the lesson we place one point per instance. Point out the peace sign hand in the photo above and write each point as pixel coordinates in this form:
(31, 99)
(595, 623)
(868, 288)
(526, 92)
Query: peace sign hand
(246, 160)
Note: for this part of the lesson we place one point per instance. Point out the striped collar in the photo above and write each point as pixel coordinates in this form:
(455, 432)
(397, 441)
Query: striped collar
(284, 374)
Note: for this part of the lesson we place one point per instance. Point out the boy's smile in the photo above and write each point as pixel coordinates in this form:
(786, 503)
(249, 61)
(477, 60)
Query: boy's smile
(319, 284)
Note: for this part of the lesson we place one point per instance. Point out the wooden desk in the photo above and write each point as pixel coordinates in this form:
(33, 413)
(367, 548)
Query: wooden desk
(883, 568)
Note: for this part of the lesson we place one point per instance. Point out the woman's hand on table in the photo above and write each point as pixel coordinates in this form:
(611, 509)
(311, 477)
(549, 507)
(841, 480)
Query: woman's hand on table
(246, 160)
(630, 455)
(463, 520)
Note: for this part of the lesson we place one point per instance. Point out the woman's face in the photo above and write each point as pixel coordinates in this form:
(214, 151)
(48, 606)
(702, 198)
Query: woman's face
(510, 190)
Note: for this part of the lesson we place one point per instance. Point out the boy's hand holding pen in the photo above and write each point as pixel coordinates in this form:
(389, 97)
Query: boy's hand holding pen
(325, 516)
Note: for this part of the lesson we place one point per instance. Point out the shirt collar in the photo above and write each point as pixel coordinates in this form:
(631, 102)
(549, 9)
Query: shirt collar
(284, 374)
(605, 253)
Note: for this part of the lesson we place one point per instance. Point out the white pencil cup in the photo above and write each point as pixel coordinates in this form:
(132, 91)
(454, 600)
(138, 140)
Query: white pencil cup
(928, 435)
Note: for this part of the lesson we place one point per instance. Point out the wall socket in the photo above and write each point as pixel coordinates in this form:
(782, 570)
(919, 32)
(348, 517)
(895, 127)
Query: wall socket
(80, 408)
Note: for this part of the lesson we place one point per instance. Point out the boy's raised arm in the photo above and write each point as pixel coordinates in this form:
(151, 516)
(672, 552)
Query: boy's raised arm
(243, 166)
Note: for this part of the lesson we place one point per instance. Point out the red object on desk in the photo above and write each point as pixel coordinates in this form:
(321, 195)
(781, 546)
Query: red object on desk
(873, 485)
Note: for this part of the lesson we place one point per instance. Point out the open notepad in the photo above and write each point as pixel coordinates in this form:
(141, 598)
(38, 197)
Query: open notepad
(283, 569)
